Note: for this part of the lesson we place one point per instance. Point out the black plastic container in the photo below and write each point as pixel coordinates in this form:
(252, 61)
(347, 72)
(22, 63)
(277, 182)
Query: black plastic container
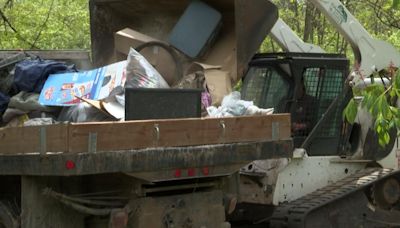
(142, 104)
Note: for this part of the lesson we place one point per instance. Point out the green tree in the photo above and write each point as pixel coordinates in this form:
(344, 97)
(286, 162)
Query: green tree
(44, 24)
(396, 4)
(379, 17)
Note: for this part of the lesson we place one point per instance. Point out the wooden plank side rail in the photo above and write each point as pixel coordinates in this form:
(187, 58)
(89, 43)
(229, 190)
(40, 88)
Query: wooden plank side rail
(117, 136)
(20, 140)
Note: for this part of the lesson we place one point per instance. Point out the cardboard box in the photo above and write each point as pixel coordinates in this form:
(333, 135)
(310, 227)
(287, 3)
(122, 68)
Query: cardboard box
(127, 38)
(218, 81)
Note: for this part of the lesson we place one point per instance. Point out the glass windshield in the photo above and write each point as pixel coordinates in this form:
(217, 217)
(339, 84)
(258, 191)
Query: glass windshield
(266, 87)
(325, 85)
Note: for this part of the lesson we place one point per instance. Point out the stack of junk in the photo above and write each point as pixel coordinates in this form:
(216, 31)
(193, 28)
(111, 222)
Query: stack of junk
(149, 79)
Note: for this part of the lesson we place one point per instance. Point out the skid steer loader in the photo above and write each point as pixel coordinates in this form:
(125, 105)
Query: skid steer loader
(339, 175)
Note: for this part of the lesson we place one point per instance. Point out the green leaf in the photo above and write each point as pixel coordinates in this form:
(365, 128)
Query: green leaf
(367, 101)
(379, 124)
(392, 124)
(379, 129)
(381, 142)
(386, 138)
(392, 93)
(381, 139)
(397, 79)
(384, 107)
(375, 88)
(350, 112)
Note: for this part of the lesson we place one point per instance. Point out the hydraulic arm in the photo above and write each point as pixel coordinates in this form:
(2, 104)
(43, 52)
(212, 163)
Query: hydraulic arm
(370, 54)
(289, 41)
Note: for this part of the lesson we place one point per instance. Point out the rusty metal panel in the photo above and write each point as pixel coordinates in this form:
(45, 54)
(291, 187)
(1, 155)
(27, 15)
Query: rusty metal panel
(203, 209)
(254, 20)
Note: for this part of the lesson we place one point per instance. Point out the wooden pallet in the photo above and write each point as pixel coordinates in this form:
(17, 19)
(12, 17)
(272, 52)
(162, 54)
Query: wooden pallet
(119, 136)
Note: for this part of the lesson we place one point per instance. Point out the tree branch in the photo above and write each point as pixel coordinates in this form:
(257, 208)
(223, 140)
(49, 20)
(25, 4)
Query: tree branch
(8, 3)
(5, 19)
(383, 16)
(44, 24)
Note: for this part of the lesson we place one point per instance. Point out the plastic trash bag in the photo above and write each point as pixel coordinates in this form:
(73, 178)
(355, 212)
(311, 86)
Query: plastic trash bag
(115, 103)
(141, 74)
(205, 100)
(28, 102)
(232, 105)
(82, 112)
(39, 122)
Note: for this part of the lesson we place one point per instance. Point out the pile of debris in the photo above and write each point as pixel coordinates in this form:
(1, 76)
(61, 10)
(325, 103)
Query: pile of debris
(155, 80)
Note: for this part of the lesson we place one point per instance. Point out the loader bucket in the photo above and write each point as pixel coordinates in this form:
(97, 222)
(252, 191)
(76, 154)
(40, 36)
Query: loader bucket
(245, 23)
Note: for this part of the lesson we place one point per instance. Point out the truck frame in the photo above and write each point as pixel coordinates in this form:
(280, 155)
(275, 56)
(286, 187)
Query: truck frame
(71, 176)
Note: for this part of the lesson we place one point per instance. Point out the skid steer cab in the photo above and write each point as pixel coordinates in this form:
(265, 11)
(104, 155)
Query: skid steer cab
(308, 86)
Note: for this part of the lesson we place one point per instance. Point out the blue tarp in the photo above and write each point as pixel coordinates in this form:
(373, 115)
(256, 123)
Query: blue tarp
(4, 100)
(30, 75)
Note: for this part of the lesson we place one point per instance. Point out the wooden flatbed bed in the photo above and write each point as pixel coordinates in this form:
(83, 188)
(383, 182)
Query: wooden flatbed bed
(146, 148)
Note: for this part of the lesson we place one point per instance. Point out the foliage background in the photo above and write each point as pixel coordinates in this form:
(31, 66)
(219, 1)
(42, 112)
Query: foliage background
(381, 18)
(44, 24)
(64, 24)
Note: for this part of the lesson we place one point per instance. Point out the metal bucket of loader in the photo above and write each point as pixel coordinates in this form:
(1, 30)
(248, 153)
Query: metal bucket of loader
(245, 23)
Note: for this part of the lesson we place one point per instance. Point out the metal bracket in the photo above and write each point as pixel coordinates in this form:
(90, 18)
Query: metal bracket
(92, 143)
(43, 140)
(275, 130)
(223, 127)
(156, 131)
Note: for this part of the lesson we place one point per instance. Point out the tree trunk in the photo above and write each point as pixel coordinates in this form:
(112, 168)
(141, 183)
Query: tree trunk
(308, 24)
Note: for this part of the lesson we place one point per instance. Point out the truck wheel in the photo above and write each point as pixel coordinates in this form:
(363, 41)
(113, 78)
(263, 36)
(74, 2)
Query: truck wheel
(8, 218)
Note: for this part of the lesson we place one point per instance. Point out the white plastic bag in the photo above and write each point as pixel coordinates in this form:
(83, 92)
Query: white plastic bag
(232, 105)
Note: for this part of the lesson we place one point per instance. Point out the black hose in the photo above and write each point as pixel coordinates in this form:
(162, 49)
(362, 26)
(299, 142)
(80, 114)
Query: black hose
(77, 204)
(170, 50)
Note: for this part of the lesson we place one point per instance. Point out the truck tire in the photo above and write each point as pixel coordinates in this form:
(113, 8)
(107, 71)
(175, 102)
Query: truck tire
(8, 217)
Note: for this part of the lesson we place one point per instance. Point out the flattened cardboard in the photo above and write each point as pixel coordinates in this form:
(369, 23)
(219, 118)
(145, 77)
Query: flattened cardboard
(127, 38)
(218, 83)
(112, 109)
